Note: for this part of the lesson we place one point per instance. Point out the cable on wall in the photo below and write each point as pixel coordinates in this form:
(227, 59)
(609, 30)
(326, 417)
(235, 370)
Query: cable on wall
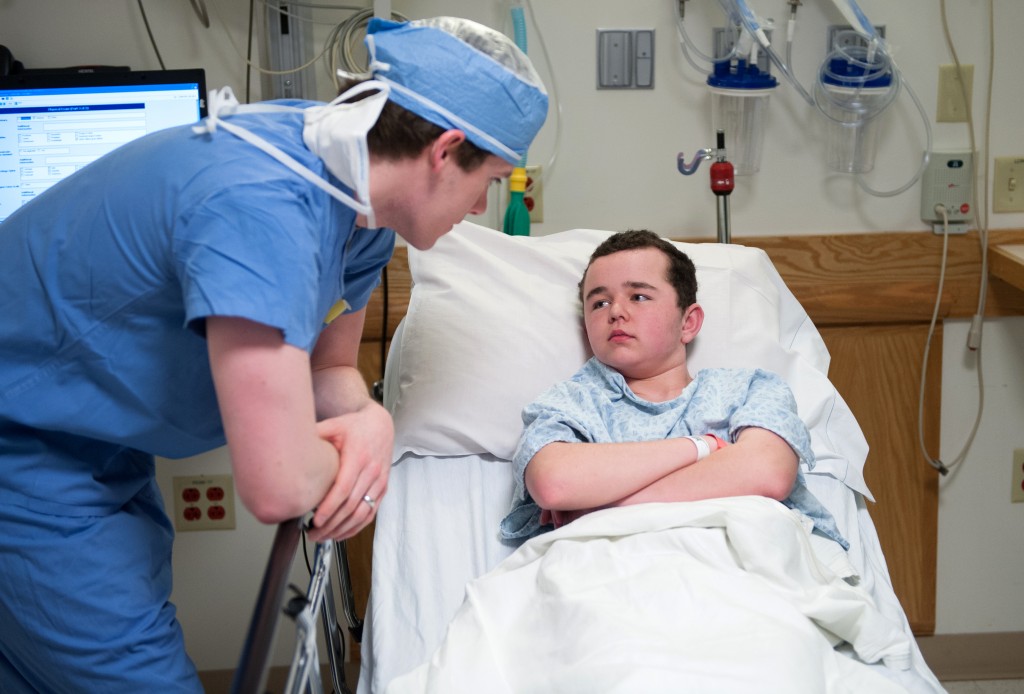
(974, 335)
(152, 41)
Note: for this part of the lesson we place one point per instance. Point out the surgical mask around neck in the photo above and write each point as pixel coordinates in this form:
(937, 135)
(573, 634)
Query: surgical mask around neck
(336, 132)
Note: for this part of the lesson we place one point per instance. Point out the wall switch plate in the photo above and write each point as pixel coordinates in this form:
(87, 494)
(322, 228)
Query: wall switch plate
(1017, 493)
(204, 502)
(1008, 185)
(951, 107)
(625, 58)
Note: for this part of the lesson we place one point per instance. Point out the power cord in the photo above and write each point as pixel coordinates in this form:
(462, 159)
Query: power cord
(149, 31)
(935, 462)
(977, 321)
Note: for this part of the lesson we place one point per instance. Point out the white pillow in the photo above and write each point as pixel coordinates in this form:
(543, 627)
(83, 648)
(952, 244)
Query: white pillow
(494, 320)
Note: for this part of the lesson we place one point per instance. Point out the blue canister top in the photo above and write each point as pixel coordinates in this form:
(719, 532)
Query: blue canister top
(855, 74)
(740, 75)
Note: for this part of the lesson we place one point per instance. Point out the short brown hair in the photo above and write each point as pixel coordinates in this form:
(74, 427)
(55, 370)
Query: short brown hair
(681, 273)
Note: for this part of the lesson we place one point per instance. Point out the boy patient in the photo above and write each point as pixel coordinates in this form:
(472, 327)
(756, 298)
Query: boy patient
(634, 426)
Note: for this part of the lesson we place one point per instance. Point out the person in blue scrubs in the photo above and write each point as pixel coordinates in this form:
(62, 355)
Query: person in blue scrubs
(207, 285)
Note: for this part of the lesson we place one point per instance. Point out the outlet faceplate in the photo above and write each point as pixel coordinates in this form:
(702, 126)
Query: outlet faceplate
(951, 106)
(1017, 494)
(204, 502)
(534, 194)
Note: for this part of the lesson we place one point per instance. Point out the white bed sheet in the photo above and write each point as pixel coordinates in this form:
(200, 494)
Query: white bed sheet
(437, 533)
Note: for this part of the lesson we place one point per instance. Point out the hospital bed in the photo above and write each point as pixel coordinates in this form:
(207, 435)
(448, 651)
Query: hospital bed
(493, 321)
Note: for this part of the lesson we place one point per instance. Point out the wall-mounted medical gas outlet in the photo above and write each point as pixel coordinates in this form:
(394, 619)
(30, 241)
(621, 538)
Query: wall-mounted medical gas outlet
(951, 107)
(204, 502)
(843, 35)
(1017, 494)
(1008, 185)
(947, 181)
(625, 58)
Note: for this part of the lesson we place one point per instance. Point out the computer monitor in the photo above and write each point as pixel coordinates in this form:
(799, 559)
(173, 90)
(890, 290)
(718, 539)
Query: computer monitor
(54, 123)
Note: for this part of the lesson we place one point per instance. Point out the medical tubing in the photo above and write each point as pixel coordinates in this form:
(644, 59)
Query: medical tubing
(924, 157)
(856, 17)
(874, 69)
(688, 47)
(345, 34)
(519, 36)
(553, 95)
(750, 24)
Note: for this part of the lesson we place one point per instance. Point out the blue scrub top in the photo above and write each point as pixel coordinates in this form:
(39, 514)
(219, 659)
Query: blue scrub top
(105, 282)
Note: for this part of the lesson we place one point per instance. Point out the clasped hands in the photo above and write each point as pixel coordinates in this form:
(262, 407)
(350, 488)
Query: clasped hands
(364, 440)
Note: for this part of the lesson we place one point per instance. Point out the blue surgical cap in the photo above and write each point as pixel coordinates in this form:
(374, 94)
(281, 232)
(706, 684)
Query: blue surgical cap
(461, 75)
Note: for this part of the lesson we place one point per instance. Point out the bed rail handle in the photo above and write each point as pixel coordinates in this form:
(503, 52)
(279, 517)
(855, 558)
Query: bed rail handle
(249, 677)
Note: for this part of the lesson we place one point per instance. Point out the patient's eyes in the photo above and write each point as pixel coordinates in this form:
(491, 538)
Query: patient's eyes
(601, 303)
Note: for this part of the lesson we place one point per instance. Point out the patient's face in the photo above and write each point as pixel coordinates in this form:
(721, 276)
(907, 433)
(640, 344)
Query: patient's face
(631, 313)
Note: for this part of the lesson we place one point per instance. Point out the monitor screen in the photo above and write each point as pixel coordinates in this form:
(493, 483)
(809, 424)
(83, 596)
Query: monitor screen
(54, 123)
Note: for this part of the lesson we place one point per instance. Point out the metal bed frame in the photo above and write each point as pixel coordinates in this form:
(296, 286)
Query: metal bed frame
(304, 673)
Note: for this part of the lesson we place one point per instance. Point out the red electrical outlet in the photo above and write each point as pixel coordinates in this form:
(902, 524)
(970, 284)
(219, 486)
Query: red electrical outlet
(204, 502)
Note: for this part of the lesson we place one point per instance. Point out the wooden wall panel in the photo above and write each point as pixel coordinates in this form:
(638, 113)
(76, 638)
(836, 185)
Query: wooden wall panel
(877, 370)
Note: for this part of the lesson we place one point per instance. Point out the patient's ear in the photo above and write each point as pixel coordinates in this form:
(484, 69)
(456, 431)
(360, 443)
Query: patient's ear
(693, 318)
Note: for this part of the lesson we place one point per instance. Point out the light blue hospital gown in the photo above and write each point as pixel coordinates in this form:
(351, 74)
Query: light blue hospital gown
(105, 282)
(597, 406)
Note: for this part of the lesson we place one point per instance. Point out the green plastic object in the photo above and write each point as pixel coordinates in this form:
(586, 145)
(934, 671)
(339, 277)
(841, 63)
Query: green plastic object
(517, 217)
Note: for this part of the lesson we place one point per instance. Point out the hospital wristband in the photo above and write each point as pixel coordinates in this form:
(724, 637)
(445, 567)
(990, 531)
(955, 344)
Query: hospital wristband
(703, 447)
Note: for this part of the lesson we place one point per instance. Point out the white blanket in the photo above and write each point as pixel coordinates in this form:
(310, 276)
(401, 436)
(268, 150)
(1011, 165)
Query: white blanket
(724, 595)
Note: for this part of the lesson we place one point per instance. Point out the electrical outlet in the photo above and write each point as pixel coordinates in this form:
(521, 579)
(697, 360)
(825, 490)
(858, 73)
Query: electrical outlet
(533, 196)
(1017, 493)
(204, 502)
(1008, 185)
(951, 107)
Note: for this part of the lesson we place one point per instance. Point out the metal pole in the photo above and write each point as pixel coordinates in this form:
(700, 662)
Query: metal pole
(724, 232)
(249, 677)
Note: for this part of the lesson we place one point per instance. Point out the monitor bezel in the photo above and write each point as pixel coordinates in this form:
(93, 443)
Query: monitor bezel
(61, 79)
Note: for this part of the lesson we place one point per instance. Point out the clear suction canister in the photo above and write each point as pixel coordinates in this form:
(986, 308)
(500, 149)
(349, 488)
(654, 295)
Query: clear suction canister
(853, 95)
(739, 107)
